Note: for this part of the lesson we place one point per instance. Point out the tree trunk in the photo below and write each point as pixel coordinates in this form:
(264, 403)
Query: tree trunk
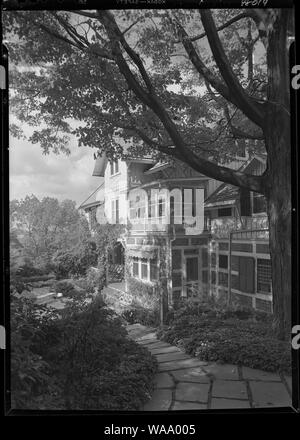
(278, 181)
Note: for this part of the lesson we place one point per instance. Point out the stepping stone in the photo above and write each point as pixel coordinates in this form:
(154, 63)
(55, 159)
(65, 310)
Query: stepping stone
(192, 392)
(154, 344)
(266, 394)
(196, 375)
(161, 401)
(253, 374)
(229, 403)
(188, 406)
(180, 364)
(162, 350)
(169, 357)
(147, 337)
(164, 380)
(230, 389)
(146, 341)
(222, 371)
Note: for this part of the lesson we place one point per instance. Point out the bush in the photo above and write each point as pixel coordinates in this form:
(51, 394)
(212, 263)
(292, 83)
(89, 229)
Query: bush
(80, 357)
(140, 315)
(229, 335)
(95, 279)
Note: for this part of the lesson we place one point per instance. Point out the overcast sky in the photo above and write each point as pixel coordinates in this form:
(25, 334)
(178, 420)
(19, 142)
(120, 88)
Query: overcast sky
(59, 176)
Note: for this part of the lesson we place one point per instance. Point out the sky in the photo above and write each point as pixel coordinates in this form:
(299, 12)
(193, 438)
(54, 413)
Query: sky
(58, 176)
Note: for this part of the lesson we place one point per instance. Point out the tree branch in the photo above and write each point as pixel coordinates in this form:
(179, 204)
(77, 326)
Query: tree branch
(248, 106)
(223, 26)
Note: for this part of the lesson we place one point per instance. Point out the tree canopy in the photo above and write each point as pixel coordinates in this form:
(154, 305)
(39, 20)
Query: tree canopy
(148, 77)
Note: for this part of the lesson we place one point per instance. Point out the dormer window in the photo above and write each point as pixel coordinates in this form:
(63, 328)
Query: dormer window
(114, 167)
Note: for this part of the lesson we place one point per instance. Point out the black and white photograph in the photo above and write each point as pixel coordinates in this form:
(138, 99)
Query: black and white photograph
(150, 217)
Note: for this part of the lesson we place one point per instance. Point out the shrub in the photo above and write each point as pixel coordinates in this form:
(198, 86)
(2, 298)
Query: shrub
(81, 359)
(141, 315)
(143, 294)
(230, 335)
(95, 279)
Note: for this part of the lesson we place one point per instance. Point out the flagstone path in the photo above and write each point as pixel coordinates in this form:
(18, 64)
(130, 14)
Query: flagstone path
(187, 383)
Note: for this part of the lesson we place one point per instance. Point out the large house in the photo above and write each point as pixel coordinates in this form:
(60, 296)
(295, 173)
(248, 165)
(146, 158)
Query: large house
(226, 253)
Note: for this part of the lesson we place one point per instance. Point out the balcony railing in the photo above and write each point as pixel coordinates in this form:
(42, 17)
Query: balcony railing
(248, 227)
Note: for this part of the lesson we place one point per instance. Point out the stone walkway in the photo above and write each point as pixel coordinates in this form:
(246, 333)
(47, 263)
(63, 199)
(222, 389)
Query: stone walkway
(187, 383)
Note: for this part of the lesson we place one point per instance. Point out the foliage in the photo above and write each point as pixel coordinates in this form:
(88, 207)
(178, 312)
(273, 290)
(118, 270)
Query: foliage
(136, 314)
(143, 294)
(77, 358)
(32, 383)
(95, 279)
(55, 236)
(229, 335)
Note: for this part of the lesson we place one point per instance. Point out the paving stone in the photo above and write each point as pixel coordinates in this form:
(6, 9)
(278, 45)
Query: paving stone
(253, 374)
(192, 392)
(166, 349)
(196, 375)
(146, 341)
(228, 403)
(163, 380)
(229, 389)
(147, 337)
(265, 394)
(187, 406)
(180, 364)
(169, 357)
(222, 371)
(161, 401)
(154, 343)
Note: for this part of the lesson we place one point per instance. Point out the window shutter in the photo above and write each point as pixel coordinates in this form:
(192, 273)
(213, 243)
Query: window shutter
(245, 202)
(246, 274)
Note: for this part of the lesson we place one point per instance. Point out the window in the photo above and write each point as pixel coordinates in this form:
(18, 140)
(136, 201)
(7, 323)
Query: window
(176, 259)
(224, 212)
(213, 277)
(223, 261)
(213, 260)
(144, 268)
(264, 275)
(114, 167)
(117, 210)
(135, 267)
(192, 269)
(259, 203)
(161, 207)
(223, 279)
(153, 270)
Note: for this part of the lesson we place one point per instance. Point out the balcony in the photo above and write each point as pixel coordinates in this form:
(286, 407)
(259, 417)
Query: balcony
(247, 227)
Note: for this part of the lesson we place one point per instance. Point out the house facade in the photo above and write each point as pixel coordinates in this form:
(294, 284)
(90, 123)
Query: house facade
(187, 235)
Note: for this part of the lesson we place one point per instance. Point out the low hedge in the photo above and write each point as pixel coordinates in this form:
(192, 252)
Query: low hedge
(235, 336)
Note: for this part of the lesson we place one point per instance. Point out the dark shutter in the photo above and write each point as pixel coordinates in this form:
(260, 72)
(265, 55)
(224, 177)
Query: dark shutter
(246, 274)
(117, 210)
(245, 202)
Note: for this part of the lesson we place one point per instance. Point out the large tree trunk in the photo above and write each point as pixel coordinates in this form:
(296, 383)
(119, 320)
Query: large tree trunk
(278, 185)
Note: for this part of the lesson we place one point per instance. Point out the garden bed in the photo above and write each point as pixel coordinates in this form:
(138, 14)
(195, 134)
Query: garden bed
(77, 358)
(235, 336)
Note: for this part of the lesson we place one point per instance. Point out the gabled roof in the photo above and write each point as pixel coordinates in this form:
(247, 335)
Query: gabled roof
(93, 199)
(157, 167)
(227, 194)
